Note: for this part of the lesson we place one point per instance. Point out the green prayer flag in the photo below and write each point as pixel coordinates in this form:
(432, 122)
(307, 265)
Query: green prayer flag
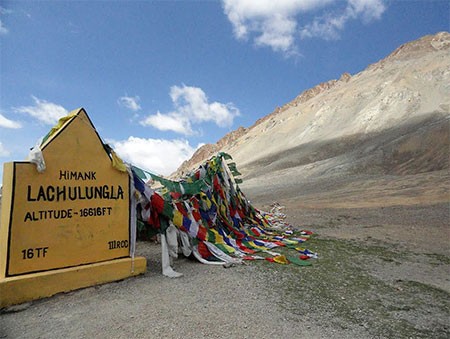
(298, 261)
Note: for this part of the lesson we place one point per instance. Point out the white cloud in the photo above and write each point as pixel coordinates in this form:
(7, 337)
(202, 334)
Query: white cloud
(275, 24)
(3, 151)
(155, 155)
(44, 111)
(7, 123)
(4, 10)
(132, 103)
(191, 107)
(326, 27)
(169, 122)
(3, 29)
(278, 33)
(368, 9)
(329, 26)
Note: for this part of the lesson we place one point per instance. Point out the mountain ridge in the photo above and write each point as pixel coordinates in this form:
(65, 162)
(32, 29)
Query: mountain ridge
(408, 87)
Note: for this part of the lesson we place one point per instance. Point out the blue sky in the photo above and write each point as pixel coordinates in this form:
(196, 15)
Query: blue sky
(160, 78)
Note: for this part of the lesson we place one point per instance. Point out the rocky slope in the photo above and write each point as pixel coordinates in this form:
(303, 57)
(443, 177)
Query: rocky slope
(390, 119)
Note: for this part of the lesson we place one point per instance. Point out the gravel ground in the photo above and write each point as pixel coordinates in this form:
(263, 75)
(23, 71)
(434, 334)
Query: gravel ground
(243, 301)
(382, 272)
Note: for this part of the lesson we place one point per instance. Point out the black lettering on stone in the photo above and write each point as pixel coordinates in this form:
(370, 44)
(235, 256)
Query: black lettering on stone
(41, 194)
(50, 193)
(29, 198)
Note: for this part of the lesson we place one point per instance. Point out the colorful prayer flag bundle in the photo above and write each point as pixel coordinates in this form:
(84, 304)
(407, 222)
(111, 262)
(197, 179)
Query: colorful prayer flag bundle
(209, 207)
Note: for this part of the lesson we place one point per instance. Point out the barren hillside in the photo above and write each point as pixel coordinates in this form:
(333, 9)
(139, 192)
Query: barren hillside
(390, 119)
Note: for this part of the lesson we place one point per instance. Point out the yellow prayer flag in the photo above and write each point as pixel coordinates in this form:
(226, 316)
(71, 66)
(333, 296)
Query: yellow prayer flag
(177, 218)
(281, 259)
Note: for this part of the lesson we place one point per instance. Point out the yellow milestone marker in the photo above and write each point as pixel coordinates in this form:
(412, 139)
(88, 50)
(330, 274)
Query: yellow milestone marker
(69, 226)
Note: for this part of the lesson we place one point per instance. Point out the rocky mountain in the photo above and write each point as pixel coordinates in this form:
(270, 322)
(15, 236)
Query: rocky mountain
(390, 119)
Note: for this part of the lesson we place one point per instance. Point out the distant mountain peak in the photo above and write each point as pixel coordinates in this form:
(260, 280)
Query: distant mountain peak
(416, 48)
